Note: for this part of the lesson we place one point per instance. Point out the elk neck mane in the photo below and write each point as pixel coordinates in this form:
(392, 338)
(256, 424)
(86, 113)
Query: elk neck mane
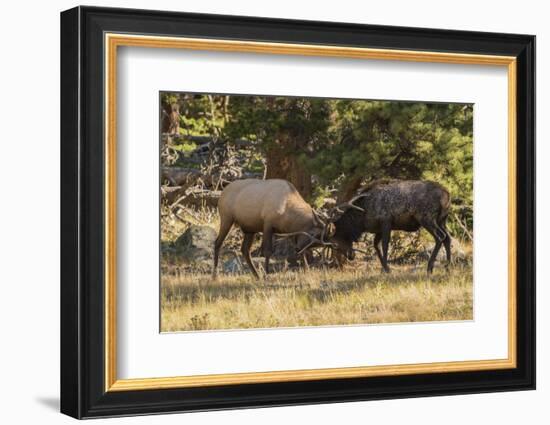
(350, 226)
(376, 183)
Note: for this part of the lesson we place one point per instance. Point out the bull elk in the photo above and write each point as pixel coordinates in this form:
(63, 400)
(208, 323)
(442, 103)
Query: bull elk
(271, 207)
(387, 205)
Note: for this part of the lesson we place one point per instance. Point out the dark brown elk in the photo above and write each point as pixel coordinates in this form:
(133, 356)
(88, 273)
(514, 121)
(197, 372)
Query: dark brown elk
(269, 207)
(387, 205)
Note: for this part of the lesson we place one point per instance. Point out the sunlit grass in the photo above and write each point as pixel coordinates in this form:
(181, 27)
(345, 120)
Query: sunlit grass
(315, 298)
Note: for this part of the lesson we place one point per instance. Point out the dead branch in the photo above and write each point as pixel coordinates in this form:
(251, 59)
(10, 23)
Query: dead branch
(463, 227)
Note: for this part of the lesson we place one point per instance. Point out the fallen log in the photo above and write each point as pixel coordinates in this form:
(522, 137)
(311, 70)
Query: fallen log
(173, 196)
(178, 176)
(169, 194)
(187, 177)
(201, 140)
(202, 199)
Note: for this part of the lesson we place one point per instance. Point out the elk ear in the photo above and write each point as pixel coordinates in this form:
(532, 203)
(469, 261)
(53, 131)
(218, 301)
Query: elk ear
(331, 230)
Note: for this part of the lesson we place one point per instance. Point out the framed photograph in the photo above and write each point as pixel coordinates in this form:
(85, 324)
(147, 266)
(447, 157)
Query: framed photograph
(261, 212)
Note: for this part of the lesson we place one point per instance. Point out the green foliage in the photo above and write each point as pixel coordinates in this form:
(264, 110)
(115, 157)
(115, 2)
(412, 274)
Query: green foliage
(186, 148)
(378, 139)
(320, 194)
(273, 120)
(169, 98)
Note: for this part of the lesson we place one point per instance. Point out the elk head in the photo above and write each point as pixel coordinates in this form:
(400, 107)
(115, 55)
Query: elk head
(319, 234)
(343, 246)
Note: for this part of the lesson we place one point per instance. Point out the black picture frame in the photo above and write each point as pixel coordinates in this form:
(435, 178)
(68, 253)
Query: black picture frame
(83, 392)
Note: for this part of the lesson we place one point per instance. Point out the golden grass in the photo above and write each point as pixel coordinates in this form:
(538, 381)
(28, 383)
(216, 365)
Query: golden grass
(315, 298)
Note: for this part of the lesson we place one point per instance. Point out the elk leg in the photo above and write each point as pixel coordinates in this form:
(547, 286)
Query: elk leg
(377, 240)
(386, 233)
(432, 229)
(225, 227)
(245, 250)
(446, 241)
(304, 259)
(435, 251)
(292, 258)
(267, 245)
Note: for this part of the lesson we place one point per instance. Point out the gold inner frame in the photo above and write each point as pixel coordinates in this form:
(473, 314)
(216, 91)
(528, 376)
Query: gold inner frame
(113, 41)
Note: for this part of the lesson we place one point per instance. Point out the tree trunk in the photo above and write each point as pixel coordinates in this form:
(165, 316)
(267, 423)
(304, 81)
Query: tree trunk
(281, 164)
(170, 119)
(300, 178)
(276, 163)
(348, 188)
(178, 176)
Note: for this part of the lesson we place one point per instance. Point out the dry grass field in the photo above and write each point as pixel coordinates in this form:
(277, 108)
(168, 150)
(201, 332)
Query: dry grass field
(356, 295)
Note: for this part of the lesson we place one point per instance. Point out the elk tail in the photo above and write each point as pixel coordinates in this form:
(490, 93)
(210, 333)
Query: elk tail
(445, 201)
(445, 204)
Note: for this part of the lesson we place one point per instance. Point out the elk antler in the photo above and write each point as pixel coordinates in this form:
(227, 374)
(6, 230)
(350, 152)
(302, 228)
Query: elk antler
(312, 239)
(321, 216)
(350, 203)
(341, 208)
(326, 223)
